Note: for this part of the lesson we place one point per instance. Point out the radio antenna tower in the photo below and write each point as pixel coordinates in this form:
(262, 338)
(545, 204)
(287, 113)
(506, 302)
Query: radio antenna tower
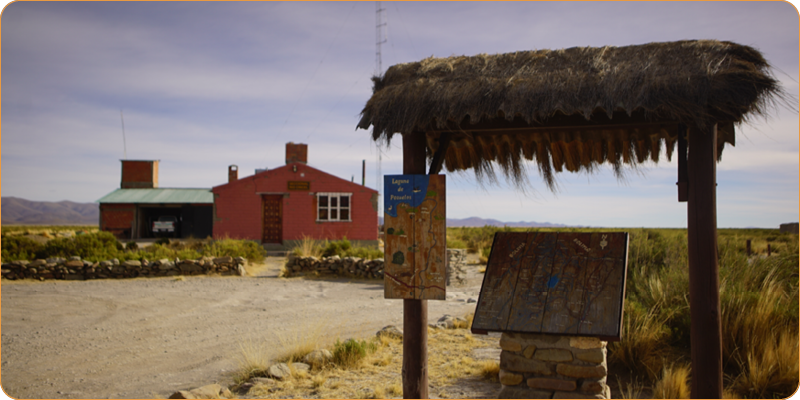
(381, 37)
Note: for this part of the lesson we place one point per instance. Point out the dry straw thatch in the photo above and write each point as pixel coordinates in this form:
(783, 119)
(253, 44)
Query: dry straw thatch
(571, 109)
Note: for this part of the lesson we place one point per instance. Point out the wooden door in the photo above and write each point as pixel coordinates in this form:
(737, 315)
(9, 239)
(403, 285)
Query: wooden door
(272, 219)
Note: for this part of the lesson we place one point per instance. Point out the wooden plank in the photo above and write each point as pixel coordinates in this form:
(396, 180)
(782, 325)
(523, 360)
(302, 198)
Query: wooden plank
(400, 263)
(565, 295)
(496, 297)
(530, 294)
(429, 238)
(605, 280)
(706, 332)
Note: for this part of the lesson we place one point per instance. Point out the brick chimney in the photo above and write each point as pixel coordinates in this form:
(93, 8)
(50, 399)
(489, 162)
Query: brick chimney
(296, 152)
(138, 174)
(233, 173)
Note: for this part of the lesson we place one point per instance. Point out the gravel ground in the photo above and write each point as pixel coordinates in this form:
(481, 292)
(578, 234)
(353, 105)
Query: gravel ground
(147, 338)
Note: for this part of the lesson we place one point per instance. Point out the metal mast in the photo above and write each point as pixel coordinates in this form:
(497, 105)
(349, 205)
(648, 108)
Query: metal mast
(381, 37)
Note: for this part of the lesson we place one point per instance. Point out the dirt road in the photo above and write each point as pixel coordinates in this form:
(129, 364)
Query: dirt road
(147, 338)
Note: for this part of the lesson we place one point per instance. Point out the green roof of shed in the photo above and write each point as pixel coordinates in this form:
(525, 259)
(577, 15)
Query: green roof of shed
(158, 196)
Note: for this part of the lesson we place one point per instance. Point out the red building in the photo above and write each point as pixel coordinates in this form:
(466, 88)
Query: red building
(286, 204)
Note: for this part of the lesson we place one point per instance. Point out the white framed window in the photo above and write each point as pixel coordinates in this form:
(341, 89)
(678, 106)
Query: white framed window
(333, 206)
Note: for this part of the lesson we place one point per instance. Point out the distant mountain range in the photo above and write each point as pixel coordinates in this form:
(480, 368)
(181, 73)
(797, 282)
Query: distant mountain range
(478, 222)
(16, 211)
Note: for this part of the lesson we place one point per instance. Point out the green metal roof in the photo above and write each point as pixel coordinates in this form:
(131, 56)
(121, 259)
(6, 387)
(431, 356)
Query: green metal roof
(173, 196)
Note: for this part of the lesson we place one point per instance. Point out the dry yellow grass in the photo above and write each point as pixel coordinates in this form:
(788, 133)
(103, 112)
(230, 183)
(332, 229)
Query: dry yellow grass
(253, 360)
(378, 375)
(673, 383)
(309, 247)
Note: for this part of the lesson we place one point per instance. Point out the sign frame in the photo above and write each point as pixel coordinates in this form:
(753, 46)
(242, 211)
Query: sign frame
(559, 283)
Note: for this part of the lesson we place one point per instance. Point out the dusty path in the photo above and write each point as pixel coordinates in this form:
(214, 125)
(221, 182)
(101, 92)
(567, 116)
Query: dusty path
(147, 338)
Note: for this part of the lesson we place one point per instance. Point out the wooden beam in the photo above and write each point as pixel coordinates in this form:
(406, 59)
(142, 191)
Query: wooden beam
(415, 312)
(683, 174)
(438, 157)
(706, 329)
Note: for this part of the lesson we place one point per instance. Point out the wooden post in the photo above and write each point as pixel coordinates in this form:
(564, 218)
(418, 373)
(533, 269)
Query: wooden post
(769, 250)
(748, 247)
(706, 331)
(415, 312)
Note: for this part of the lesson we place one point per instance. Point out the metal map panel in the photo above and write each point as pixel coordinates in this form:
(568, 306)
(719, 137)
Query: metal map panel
(558, 283)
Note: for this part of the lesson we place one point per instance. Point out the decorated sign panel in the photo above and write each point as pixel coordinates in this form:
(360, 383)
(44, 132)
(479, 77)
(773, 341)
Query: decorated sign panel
(414, 237)
(550, 282)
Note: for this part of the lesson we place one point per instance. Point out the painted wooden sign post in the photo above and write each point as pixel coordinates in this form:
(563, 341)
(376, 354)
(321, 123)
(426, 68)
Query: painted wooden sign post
(556, 283)
(414, 237)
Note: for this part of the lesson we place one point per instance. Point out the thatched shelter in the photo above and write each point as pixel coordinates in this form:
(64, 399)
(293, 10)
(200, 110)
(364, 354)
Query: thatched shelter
(570, 109)
(575, 109)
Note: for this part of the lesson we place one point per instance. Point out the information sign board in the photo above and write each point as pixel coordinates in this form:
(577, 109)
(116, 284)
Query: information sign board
(414, 237)
(552, 282)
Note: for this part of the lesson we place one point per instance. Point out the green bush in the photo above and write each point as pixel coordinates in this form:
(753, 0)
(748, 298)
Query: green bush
(343, 248)
(95, 246)
(19, 248)
(349, 353)
(337, 248)
(455, 244)
(99, 246)
(248, 249)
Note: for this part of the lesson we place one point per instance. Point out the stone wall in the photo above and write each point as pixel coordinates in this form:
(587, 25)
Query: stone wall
(77, 269)
(352, 266)
(534, 366)
(335, 265)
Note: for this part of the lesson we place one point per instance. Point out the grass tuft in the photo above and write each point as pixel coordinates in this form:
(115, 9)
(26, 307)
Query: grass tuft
(351, 352)
(673, 383)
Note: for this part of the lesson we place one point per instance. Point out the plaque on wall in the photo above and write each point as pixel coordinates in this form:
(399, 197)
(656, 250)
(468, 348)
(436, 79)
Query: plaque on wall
(414, 237)
(299, 185)
(566, 283)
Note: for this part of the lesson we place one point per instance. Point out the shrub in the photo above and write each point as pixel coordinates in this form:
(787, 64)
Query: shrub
(336, 248)
(95, 246)
(455, 244)
(351, 352)
(343, 248)
(19, 248)
(248, 249)
(131, 246)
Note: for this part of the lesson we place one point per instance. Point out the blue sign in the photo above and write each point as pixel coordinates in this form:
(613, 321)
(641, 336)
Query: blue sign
(409, 189)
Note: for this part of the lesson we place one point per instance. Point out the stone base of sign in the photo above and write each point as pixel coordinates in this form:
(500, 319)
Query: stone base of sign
(455, 263)
(535, 366)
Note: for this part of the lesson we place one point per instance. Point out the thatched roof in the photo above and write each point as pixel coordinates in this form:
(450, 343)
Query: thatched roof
(570, 109)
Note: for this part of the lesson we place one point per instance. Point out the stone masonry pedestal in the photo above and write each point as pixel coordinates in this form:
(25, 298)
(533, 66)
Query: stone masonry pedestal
(535, 366)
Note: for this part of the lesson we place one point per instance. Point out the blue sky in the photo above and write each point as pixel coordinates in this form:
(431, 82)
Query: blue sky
(203, 85)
